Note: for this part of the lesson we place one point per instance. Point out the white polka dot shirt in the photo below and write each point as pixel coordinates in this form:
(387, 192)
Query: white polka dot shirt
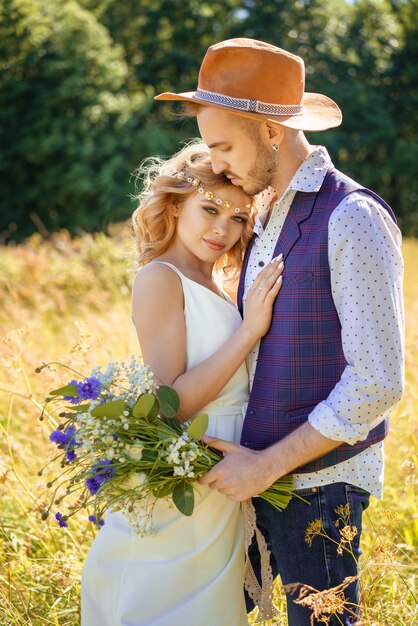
(364, 250)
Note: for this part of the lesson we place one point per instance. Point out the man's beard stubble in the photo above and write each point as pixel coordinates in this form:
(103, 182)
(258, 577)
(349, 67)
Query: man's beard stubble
(261, 173)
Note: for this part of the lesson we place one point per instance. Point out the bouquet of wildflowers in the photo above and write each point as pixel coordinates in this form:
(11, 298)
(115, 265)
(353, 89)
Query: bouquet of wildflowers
(121, 447)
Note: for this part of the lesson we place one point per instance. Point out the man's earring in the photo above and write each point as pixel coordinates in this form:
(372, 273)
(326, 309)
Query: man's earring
(276, 153)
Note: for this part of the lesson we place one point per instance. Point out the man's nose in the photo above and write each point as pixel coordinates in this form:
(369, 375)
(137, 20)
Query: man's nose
(219, 165)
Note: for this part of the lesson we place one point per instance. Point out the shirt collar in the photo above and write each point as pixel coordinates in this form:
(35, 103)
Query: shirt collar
(308, 178)
(311, 173)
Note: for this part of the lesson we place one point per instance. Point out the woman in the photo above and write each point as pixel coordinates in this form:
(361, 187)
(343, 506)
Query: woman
(190, 224)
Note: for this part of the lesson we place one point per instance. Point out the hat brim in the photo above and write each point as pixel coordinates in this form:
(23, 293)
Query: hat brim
(319, 111)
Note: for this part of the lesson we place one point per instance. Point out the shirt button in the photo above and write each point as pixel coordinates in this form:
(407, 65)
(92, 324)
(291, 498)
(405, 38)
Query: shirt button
(314, 489)
(261, 263)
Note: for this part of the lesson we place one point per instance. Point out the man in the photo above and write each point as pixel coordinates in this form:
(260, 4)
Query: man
(330, 369)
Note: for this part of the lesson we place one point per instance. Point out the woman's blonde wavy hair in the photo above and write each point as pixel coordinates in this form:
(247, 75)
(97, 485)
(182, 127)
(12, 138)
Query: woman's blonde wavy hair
(154, 223)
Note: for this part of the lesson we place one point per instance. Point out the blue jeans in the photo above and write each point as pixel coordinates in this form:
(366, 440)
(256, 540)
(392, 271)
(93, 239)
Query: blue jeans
(319, 566)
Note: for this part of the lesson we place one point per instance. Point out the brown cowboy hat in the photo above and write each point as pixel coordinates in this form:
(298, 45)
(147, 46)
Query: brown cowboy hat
(257, 80)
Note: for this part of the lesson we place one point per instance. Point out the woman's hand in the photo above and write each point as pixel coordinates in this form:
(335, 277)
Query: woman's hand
(261, 296)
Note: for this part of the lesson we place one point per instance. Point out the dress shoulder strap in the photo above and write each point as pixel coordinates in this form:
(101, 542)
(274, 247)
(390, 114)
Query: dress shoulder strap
(173, 267)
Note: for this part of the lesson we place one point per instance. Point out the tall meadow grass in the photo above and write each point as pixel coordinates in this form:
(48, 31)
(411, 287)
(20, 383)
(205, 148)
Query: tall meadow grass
(68, 300)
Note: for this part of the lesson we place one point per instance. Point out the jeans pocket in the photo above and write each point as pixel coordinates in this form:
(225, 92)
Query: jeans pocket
(358, 499)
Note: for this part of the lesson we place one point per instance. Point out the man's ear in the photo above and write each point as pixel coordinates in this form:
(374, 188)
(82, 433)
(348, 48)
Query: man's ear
(275, 133)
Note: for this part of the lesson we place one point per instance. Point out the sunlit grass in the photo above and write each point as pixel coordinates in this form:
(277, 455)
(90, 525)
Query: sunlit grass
(69, 301)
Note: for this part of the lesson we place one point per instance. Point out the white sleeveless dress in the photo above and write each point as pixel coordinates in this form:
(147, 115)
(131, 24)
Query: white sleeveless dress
(191, 571)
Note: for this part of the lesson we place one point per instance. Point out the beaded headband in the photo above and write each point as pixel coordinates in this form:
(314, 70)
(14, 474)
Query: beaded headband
(209, 195)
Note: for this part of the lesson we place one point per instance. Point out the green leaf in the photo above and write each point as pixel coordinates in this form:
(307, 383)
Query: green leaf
(68, 390)
(78, 408)
(146, 406)
(114, 408)
(164, 435)
(164, 491)
(169, 401)
(149, 455)
(175, 426)
(155, 411)
(183, 498)
(198, 426)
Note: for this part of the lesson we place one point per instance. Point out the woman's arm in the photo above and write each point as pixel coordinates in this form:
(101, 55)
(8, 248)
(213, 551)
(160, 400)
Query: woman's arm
(159, 320)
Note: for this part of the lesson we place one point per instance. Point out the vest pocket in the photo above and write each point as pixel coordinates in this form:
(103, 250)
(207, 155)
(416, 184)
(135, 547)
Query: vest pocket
(297, 278)
(299, 416)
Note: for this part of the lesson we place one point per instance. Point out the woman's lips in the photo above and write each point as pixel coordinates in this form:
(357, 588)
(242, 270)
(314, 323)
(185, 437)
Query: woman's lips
(214, 245)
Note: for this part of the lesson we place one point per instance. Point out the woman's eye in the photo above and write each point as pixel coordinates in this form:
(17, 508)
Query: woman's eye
(240, 220)
(210, 209)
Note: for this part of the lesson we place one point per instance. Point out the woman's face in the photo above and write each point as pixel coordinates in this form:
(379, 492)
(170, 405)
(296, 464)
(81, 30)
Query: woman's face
(208, 230)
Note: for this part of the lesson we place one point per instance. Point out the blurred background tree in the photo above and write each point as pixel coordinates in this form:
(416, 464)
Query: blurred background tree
(402, 78)
(78, 78)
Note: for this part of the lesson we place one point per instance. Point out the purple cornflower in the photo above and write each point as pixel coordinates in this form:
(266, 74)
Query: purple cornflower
(61, 519)
(58, 437)
(92, 485)
(100, 522)
(71, 456)
(74, 399)
(66, 439)
(102, 471)
(89, 389)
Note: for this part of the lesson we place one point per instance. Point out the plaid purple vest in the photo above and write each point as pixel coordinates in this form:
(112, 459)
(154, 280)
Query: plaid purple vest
(301, 357)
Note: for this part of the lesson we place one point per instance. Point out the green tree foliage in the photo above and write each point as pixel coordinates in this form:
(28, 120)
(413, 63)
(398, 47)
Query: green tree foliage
(78, 78)
(403, 106)
(315, 30)
(66, 118)
(368, 132)
(165, 40)
(364, 56)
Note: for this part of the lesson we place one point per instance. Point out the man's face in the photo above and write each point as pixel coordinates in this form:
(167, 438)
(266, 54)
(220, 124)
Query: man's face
(244, 157)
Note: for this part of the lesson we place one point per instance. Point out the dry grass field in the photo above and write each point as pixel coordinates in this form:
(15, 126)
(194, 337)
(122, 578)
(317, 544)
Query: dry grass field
(68, 301)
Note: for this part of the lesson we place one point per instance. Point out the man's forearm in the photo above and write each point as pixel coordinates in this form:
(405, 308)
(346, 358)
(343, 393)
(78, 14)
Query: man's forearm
(244, 473)
(301, 446)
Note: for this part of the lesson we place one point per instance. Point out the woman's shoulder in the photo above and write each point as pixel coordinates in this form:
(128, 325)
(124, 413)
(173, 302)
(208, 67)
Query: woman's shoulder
(157, 281)
(157, 305)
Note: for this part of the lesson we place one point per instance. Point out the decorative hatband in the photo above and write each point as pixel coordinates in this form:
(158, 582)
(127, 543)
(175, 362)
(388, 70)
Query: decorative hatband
(253, 106)
(209, 195)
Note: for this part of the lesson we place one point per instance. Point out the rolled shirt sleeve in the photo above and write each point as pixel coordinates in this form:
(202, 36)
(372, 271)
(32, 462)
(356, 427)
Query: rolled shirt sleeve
(364, 249)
